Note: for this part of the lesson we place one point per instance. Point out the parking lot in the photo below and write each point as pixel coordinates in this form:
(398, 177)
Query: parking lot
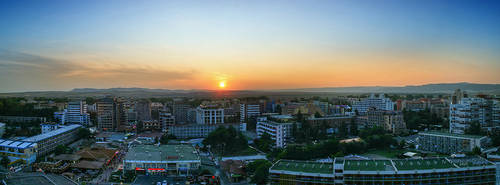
(154, 179)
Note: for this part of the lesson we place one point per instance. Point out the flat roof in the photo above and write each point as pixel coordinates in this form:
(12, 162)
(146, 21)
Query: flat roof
(304, 166)
(53, 133)
(470, 161)
(422, 164)
(381, 165)
(452, 135)
(368, 165)
(162, 153)
(15, 144)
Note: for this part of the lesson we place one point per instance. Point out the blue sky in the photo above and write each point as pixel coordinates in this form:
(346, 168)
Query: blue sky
(248, 44)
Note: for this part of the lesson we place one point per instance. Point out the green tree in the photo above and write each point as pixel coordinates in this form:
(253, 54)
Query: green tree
(476, 151)
(264, 143)
(83, 133)
(260, 171)
(5, 161)
(474, 129)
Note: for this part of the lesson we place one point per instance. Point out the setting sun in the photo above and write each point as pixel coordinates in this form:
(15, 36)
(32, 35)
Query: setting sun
(222, 84)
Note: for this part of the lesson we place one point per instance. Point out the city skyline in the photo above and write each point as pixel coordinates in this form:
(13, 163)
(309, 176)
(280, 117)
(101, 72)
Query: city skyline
(246, 45)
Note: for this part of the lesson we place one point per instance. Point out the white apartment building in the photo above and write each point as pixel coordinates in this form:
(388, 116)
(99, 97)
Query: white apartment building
(281, 133)
(209, 115)
(76, 113)
(379, 103)
(468, 110)
(248, 110)
(166, 120)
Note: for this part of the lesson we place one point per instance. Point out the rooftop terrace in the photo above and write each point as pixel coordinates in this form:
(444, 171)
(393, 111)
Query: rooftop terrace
(381, 165)
(368, 165)
(304, 166)
(422, 164)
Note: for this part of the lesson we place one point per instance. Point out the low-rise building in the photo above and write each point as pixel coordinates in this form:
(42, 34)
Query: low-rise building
(163, 159)
(47, 142)
(18, 150)
(444, 142)
(200, 131)
(467, 170)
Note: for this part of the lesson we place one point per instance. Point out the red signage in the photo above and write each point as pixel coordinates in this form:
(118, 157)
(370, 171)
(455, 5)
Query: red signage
(156, 169)
(139, 169)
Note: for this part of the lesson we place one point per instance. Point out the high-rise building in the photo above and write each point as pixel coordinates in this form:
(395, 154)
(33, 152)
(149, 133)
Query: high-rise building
(143, 109)
(248, 111)
(77, 113)
(458, 95)
(391, 121)
(379, 103)
(111, 114)
(120, 111)
(180, 112)
(166, 120)
(474, 110)
(209, 115)
(105, 114)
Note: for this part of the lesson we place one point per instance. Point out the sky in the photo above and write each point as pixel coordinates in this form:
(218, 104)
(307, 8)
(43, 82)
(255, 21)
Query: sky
(247, 45)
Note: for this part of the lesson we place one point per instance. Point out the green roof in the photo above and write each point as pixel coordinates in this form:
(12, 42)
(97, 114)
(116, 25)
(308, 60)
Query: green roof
(453, 135)
(368, 165)
(470, 161)
(162, 153)
(422, 164)
(304, 166)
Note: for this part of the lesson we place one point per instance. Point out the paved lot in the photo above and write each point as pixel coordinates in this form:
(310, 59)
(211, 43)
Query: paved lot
(152, 180)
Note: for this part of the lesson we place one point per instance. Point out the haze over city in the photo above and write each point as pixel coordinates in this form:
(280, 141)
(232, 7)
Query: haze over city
(246, 45)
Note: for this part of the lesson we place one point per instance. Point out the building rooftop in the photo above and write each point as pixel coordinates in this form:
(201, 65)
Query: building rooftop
(451, 135)
(380, 165)
(50, 134)
(162, 153)
(304, 166)
(422, 164)
(368, 165)
(16, 144)
(470, 161)
(39, 179)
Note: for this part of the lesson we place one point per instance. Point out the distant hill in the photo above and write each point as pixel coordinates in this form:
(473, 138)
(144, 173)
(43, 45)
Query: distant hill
(428, 88)
(145, 92)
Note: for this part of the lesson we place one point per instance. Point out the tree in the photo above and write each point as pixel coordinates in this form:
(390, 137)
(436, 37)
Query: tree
(264, 143)
(226, 141)
(83, 133)
(476, 151)
(474, 129)
(317, 115)
(5, 161)
(260, 171)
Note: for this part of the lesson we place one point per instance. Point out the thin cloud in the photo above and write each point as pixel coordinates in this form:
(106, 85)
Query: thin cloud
(83, 73)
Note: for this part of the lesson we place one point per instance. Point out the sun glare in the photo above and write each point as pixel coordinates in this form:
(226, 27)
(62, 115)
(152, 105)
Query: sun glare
(222, 84)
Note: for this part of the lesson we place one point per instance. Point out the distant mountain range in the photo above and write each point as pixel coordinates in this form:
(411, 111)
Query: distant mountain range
(447, 88)
(428, 88)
